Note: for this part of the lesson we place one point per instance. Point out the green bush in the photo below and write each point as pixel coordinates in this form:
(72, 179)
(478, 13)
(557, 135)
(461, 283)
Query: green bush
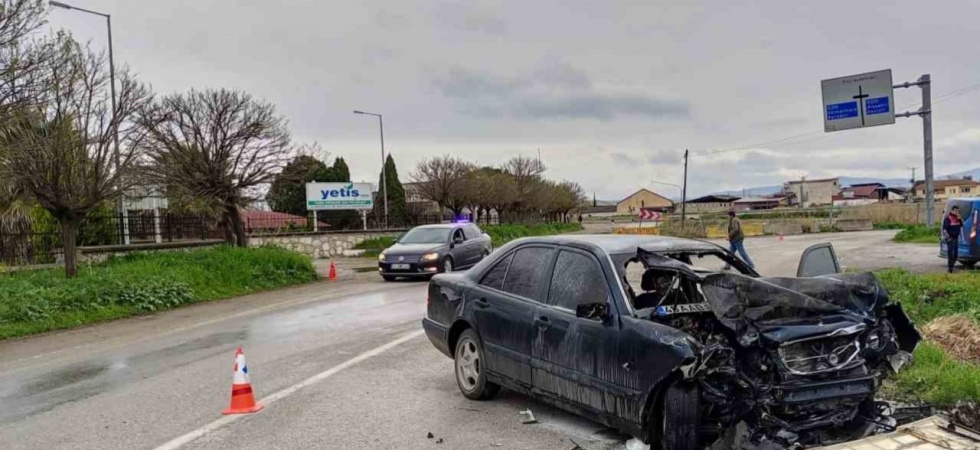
(502, 234)
(34, 301)
(918, 234)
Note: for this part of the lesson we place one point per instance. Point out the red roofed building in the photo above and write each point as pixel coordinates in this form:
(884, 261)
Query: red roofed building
(267, 221)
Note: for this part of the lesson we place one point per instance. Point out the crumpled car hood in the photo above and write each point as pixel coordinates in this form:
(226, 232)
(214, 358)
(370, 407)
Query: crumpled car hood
(777, 310)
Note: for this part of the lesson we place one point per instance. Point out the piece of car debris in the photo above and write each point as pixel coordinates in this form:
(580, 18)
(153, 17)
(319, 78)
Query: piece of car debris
(636, 444)
(530, 417)
(430, 436)
(439, 441)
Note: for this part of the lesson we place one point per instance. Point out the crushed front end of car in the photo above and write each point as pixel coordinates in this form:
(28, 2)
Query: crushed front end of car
(794, 361)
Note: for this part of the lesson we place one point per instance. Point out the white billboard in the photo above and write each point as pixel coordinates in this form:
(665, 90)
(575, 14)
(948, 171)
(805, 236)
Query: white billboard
(320, 196)
(858, 101)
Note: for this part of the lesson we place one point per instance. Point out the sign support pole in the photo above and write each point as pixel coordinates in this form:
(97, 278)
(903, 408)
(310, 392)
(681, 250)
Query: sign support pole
(925, 112)
(316, 219)
(684, 193)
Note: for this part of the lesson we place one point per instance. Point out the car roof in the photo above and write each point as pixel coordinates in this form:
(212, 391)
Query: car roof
(443, 225)
(615, 244)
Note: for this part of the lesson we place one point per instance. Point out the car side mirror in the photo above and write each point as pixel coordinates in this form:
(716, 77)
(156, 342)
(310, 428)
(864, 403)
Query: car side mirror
(592, 311)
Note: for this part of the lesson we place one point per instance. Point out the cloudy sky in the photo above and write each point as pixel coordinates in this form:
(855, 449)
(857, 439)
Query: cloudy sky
(611, 92)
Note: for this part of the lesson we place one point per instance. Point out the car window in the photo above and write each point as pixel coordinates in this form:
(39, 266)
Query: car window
(458, 234)
(425, 236)
(528, 271)
(494, 277)
(472, 231)
(577, 280)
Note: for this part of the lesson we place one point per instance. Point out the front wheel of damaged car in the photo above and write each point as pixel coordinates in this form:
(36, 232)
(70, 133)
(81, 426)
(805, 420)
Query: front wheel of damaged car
(680, 421)
(471, 376)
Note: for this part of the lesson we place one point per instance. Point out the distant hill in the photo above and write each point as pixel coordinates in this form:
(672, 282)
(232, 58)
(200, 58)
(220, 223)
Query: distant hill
(975, 173)
(849, 181)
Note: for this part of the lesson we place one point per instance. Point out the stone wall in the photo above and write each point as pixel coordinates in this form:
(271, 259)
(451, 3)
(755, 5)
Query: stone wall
(321, 245)
(102, 253)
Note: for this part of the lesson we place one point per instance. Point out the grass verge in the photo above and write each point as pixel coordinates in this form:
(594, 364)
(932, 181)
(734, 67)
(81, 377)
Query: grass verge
(374, 246)
(918, 234)
(935, 376)
(502, 234)
(37, 301)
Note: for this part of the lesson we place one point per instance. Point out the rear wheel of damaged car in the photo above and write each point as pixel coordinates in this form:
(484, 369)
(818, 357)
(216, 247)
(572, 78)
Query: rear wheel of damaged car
(471, 376)
(680, 420)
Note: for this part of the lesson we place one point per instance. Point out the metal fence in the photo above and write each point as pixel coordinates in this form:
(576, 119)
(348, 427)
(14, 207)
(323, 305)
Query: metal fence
(25, 242)
(339, 221)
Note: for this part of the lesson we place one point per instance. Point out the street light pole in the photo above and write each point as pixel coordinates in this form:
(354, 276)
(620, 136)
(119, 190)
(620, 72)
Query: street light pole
(384, 172)
(112, 90)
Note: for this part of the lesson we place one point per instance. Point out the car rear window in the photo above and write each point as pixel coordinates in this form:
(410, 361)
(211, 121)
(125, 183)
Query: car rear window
(528, 271)
(577, 280)
(495, 276)
(472, 231)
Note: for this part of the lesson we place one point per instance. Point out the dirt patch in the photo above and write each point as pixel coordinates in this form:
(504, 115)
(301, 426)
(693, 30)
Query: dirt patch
(958, 335)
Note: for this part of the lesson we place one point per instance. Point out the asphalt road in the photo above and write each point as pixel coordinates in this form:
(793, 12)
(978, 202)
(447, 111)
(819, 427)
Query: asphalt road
(340, 365)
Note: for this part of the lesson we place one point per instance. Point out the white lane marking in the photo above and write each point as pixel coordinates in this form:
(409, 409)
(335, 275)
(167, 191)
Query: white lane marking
(272, 398)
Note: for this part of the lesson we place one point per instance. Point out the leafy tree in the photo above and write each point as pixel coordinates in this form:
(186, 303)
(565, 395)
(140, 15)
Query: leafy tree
(397, 207)
(217, 145)
(59, 150)
(288, 191)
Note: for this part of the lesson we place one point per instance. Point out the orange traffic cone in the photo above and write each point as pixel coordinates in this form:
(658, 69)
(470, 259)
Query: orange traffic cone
(242, 398)
(333, 272)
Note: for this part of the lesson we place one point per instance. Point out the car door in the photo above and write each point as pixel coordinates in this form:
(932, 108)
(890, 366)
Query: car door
(504, 303)
(457, 243)
(471, 246)
(818, 260)
(576, 359)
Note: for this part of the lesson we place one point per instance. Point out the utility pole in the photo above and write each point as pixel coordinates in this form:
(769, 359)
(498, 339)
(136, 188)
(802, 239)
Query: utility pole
(925, 112)
(684, 192)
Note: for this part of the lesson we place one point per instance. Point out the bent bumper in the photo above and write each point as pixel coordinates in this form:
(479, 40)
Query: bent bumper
(438, 335)
(414, 270)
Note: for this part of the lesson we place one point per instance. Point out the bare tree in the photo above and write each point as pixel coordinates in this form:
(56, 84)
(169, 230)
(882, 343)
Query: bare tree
(442, 180)
(215, 145)
(24, 60)
(526, 172)
(59, 152)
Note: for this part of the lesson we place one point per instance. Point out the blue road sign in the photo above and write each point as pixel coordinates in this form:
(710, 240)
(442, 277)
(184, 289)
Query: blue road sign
(877, 105)
(844, 110)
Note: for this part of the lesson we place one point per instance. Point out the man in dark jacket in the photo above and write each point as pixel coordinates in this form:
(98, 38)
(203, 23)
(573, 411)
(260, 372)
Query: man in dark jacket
(736, 239)
(952, 226)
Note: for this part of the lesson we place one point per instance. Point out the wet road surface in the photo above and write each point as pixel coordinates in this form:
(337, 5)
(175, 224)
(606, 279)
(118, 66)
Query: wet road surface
(142, 382)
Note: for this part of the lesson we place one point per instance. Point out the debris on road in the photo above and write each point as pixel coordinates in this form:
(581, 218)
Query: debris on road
(439, 441)
(967, 414)
(957, 334)
(927, 434)
(430, 435)
(636, 444)
(530, 417)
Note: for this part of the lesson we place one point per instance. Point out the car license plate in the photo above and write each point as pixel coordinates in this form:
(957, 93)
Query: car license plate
(401, 266)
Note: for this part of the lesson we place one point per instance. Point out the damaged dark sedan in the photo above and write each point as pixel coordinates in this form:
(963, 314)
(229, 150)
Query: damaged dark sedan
(653, 336)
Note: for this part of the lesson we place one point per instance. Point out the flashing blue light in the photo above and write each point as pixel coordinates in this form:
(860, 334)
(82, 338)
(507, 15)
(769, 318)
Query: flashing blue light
(461, 219)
